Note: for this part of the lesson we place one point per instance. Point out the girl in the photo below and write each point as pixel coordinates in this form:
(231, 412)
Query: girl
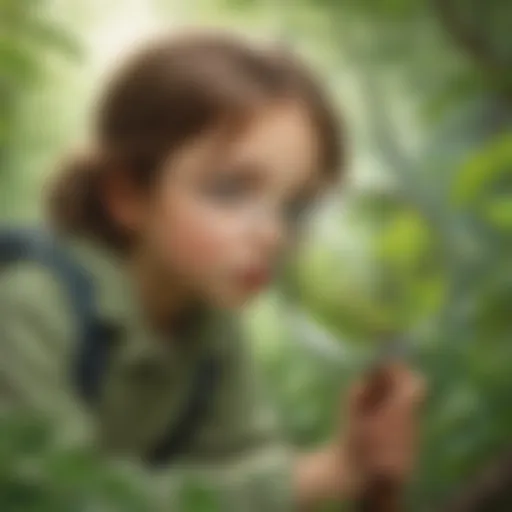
(207, 152)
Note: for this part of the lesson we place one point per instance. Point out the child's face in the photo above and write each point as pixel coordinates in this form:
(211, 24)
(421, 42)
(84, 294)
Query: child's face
(224, 213)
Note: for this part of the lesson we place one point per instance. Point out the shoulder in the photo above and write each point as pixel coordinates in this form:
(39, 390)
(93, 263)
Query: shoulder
(31, 292)
(37, 330)
(25, 279)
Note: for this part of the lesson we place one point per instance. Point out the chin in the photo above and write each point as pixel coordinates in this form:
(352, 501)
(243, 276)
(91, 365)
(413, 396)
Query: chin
(234, 300)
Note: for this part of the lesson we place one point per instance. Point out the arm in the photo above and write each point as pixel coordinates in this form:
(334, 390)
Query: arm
(249, 465)
(322, 476)
(243, 443)
(246, 438)
(240, 462)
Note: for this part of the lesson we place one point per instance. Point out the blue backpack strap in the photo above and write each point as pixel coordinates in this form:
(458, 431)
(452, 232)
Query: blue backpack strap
(34, 244)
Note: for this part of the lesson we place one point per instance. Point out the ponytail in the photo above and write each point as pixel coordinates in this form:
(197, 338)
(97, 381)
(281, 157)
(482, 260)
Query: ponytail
(75, 204)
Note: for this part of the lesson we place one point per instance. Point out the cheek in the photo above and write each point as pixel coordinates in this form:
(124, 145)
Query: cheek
(195, 240)
(194, 244)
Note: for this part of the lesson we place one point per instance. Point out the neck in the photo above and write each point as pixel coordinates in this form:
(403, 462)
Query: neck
(163, 300)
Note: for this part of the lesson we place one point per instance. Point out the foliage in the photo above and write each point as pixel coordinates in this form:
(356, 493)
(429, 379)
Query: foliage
(420, 248)
(30, 39)
(35, 475)
(440, 258)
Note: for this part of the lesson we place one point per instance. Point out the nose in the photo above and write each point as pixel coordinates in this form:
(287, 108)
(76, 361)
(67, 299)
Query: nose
(270, 232)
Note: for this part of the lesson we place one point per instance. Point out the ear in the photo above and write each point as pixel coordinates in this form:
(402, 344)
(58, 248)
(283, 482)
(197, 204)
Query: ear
(123, 199)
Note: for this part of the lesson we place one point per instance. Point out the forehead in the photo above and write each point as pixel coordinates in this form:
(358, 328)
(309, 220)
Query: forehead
(277, 140)
(281, 139)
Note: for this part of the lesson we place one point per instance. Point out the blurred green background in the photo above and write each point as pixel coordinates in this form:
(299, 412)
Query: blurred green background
(418, 243)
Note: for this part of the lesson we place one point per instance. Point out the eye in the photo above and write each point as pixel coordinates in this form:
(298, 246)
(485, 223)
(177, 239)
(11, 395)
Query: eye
(297, 209)
(228, 188)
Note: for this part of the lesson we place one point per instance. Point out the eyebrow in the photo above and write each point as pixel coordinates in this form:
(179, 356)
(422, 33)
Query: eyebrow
(242, 171)
(252, 173)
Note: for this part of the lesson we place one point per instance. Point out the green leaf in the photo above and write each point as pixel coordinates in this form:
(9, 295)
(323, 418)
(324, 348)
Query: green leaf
(498, 212)
(464, 87)
(483, 169)
(195, 497)
(18, 65)
(52, 37)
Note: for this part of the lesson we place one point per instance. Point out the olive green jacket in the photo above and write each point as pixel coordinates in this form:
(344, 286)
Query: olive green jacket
(238, 451)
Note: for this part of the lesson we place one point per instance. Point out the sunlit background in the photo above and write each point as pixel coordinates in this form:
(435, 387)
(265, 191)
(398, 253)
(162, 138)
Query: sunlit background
(417, 244)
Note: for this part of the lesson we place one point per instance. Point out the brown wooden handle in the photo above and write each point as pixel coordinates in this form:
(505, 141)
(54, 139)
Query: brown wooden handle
(380, 495)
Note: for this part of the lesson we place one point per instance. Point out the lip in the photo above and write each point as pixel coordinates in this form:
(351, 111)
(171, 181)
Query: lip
(255, 278)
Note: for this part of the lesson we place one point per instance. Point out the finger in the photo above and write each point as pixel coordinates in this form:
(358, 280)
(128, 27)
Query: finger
(399, 443)
(402, 389)
(391, 427)
(398, 368)
(392, 464)
(396, 433)
(356, 393)
(395, 371)
(409, 390)
(395, 376)
(400, 372)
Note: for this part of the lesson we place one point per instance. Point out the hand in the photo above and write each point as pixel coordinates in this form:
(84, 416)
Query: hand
(381, 440)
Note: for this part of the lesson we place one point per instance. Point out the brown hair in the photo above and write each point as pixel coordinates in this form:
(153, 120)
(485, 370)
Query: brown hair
(167, 93)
